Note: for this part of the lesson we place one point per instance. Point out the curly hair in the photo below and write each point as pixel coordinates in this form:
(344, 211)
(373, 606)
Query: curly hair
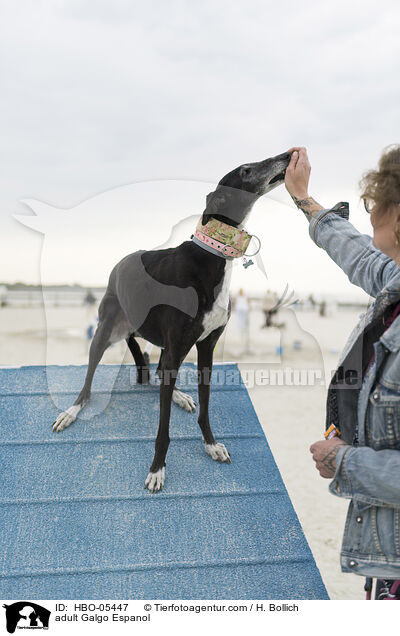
(382, 186)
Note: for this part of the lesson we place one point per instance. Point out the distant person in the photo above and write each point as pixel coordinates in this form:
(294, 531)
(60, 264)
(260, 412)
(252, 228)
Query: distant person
(270, 308)
(364, 462)
(3, 296)
(91, 329)
(90, 304)
(90, 299)
(322, 309)
(311, 300)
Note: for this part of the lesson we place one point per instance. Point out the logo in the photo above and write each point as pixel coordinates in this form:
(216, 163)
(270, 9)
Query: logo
(26, 615)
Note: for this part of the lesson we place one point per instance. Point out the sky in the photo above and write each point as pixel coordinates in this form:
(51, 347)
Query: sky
(122, 115)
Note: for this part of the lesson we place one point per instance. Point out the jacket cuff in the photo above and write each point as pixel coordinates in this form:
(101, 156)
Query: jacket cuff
(340, 484)
(341, 209)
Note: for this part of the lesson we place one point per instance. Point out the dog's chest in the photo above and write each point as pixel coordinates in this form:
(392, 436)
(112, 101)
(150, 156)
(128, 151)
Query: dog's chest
(218, 314)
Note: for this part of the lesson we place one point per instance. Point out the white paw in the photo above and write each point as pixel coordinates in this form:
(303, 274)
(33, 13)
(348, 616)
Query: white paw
(218, 452)
(184, 400)
(155, 481)
(66, 418)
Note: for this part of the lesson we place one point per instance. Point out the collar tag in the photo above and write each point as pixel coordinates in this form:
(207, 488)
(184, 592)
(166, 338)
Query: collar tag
(246, 263)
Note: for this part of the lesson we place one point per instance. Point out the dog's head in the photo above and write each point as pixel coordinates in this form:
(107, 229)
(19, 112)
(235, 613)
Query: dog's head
(238, 190)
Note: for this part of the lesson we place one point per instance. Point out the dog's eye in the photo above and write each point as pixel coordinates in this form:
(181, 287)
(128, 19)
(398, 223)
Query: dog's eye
(245, 171)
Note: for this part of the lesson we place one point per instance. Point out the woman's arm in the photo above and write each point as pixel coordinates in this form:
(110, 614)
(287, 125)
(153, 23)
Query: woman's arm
(296, 182)
(365, 266)
(367, 475)
(359, 472)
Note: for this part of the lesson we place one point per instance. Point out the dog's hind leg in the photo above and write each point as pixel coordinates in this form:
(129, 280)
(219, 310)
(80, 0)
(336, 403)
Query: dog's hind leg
(158, 370)
(205, 349)
(108, 311)
(142, 360)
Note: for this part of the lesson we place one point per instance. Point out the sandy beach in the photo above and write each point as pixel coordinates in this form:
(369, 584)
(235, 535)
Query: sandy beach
(287, 372)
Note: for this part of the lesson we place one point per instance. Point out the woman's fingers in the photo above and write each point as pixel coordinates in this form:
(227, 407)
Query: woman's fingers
(296, 148)
(298, 159)
(304, 157)
(298, 172)
(299, 151)
(293, 161)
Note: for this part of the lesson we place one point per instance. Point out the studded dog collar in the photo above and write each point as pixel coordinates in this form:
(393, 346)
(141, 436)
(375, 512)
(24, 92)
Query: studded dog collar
(222, 239)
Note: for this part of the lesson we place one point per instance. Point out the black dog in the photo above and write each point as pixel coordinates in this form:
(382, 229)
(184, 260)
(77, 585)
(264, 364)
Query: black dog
(175, 298)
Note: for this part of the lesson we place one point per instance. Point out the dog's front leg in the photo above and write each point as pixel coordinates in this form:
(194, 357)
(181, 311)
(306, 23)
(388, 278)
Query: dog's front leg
(169, 370)
(205, 349)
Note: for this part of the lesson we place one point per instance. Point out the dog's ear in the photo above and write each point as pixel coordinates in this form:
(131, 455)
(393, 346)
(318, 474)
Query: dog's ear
(216, 202)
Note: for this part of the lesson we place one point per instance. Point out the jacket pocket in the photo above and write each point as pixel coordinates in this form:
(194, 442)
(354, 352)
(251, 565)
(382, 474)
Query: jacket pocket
(383, 419)
(374, 532)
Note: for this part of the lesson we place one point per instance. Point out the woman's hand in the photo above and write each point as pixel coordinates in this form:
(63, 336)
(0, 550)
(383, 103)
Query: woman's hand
(324, 454)
(298, 173)
(296, 181)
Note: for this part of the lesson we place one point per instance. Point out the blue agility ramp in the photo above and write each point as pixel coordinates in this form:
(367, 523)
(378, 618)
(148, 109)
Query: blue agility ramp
(76, 522)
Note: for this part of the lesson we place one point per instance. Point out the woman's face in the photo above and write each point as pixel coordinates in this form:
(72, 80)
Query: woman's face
(385, 223)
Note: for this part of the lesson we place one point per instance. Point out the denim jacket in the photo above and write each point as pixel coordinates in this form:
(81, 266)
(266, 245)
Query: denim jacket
(368, 473)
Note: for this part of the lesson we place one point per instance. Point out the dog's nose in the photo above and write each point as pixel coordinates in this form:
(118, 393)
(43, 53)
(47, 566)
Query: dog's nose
(284, 157)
